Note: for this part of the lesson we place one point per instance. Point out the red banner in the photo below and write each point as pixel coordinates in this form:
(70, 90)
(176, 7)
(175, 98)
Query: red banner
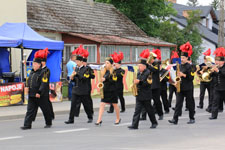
(11, 93)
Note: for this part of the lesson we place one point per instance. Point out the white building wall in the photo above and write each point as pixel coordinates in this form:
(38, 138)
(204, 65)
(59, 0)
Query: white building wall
(206, 45)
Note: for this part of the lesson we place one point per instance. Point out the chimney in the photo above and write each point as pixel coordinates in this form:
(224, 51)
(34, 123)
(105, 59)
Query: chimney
(90, 2)
(186, 13)
(172, 1)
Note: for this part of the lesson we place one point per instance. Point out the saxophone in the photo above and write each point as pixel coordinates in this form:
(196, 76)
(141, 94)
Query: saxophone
(100, 85)
(178, 79)
(134, 86)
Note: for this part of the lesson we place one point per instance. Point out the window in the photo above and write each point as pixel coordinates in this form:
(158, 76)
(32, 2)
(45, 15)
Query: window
(92, 49)
(136, 50)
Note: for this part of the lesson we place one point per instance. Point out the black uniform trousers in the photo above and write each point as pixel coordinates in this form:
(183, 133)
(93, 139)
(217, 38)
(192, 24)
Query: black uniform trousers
(204, 86)
(32, 107)
(50, 108)
(217, 95)
(179, 104)
(75, 106)
(138, 109)
(222, 101)
(157, 103)
(163, 94)
(122, 101)
(172, 89)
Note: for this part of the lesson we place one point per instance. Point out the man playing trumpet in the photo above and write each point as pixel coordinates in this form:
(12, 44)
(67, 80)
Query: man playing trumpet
(218, 74)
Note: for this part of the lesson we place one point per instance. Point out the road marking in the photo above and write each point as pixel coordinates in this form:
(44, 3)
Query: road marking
(73, 130)
(10, 138)
(123, 124)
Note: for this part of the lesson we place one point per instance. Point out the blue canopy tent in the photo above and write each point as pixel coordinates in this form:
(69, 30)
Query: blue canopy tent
(22, 36)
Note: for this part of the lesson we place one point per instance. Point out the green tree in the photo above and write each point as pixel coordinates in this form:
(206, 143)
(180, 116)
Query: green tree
(192, 34)
(215, 4)
(193, 3)
(146, 14)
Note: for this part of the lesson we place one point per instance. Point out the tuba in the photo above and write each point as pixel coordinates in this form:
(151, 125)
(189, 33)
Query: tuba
(207, 70)
(151, 56)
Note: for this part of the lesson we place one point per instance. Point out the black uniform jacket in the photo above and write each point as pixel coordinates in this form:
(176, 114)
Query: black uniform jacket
(44, 88)
(81, 80)
(119, 73)
(219, 79)
(186, 82)
(163, 83)
(89, 73)
(143, 87)
(34, 82)
(154, 69)
(110, 81)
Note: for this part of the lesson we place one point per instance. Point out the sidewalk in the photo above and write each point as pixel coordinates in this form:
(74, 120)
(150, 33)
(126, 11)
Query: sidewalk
(15, 112)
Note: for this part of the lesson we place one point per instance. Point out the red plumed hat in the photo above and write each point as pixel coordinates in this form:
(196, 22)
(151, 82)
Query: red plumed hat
(85, 53)
(207, 53)
(115, 57)
(186, 49)
(158, 53)
(78, 51)
(220, 53)
(145, 53)
(42, 54)
(174, 55)
(121, 55)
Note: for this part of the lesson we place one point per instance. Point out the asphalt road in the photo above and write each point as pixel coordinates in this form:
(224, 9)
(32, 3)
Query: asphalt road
(205, 134)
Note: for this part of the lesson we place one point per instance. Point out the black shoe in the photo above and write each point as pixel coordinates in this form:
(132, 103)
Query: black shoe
(122, 111)
(173, 108)
(98, 123)
(212, 118)
(25, 127)
(160, 117)
(142, 118)
(173, 121)
(47, 126)
(90, 121)
(116, 123)
(132, 127)
(191, 121)
(109, 112)
(154, 126)
(200, 107)
(208, 110)
(69, 122)
(186, 109)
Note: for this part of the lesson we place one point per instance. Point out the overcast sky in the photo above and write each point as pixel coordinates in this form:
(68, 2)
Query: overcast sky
(201, 2)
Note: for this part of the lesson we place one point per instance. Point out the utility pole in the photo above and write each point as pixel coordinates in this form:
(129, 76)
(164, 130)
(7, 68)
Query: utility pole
(221, 25)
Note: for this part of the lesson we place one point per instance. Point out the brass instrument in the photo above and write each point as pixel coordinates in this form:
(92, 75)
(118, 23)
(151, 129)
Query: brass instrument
(149, 79)
(164, 75)
(207, 70)
(100, 85)
(178, 79)
(151, 56)
(134, 86)
(165, 63)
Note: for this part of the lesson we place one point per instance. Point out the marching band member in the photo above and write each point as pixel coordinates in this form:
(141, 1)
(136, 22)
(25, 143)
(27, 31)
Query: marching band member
(185, 80)
(153, 66)
(119, 84)
(163, 87)
(37, 98)
(81, 91)
(204, 85)
(218, 74)
(172, 88)
(91, 74)
(144, 93)
(109, 79)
